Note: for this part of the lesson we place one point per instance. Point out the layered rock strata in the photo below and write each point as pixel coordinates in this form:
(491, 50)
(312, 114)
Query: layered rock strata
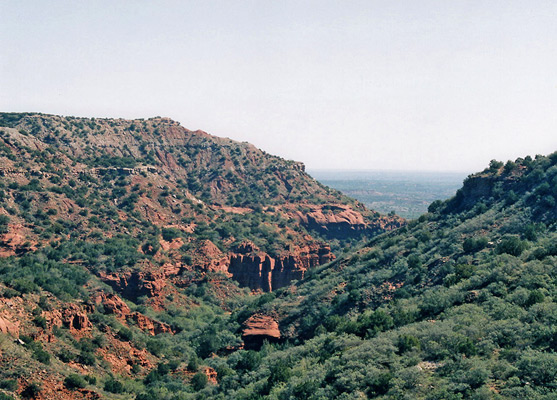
(259, 271)
(259, 328)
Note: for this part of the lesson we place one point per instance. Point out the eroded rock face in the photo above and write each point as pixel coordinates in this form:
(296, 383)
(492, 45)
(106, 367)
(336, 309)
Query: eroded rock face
(259, 328)
(112, 304)
(76, 319)
(115, 305)
(210, 258)
(8, 327)
(257, 270)
(150, 325)
(333, 219)
(73, 317)
(339, 220)
(135, 284)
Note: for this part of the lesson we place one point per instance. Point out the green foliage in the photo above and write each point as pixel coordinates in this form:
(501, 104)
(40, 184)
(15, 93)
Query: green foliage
(199, 381)
(87, 358)
(169, 234)
(511, 245)
(539, 368)
(473, 245)
(37, 350)
(114, 162)
(40, 321)
(27, 273)
(125, 334)
(408, 342)
(113, 386)
(4, 221)
(8, 384)
(75, 381)
(32, 390)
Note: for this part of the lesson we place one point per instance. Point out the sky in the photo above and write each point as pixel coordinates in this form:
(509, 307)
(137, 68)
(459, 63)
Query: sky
(383, 85)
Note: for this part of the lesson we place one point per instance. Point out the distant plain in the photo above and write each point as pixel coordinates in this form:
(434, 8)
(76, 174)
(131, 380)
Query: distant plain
(406, 193)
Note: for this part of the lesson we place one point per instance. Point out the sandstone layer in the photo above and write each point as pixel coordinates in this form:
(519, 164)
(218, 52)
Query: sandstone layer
(259, 328)
(257, 270)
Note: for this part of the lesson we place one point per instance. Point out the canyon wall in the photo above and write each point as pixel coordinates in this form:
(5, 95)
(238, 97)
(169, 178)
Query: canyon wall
(257, 270)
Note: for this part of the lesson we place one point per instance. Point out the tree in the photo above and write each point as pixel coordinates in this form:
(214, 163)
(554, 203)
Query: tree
(199, 381)
(4, 221)
(511, 245)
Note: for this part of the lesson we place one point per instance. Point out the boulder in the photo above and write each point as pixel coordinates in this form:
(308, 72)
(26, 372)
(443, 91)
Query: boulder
(8, 327)
(259, 328)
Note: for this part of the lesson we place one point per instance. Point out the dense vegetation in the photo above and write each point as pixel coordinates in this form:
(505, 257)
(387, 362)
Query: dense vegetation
(458, 304)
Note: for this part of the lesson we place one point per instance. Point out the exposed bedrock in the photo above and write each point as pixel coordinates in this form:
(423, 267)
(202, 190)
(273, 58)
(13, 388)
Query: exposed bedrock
(257, 270)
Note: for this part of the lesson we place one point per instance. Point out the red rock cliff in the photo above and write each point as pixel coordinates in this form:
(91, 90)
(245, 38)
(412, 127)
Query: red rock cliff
(257, 270)
(342, 221)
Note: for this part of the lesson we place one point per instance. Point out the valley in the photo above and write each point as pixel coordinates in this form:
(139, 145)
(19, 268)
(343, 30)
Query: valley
(142, 260)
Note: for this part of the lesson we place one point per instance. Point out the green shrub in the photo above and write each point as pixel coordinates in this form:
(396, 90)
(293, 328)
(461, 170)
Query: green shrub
(66, 356)
(407, 342)
(473, 245)
(535, 296)
(169, 234)
(32, 390)
(113, 386)
(4, 221)
(75, 381)
(511, 245)
(87, 358)
(40, 321)
(125, 334)
(199, 381)
(8, 384)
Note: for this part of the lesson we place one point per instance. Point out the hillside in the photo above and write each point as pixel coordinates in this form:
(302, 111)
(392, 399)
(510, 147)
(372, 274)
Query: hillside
(459, 304)
(123, 244)
(138, 179)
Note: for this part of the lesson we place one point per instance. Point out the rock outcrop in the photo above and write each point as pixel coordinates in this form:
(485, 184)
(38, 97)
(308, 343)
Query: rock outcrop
(112, 304)
(208, 257)
(15, 242)
(73, 317)
(76, 319)
(342, 221)
(257, 270)
(134, 284)
(150, 325)
(115, 305)
(333, 218)
(259, 328)
(8, 327)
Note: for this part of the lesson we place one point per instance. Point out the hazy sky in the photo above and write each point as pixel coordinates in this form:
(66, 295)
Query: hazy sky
(425, 85)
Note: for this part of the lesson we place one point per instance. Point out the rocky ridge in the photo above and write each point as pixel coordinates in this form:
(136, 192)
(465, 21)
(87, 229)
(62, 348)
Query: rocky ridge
(115, 233)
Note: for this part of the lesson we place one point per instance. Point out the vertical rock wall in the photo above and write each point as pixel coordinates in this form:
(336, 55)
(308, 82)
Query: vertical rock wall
(257, 270)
